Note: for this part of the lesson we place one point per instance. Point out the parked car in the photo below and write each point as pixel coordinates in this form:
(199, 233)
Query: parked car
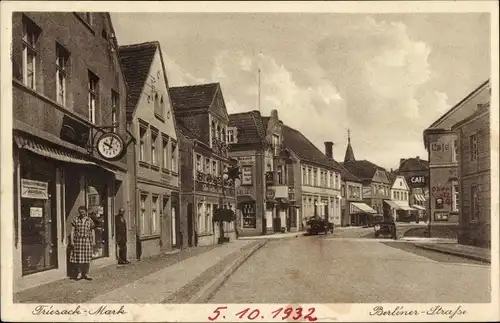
(316, 225)
(385, 228)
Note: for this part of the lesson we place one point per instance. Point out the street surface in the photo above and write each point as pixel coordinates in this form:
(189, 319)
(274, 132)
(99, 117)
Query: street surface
(345, 268)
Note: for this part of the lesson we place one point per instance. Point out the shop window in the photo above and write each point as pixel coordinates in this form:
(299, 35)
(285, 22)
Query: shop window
(155, 219)
(62, 57)
(97, 210)
(248, 212)
(92, 96)
(31, 33)
(456, 197)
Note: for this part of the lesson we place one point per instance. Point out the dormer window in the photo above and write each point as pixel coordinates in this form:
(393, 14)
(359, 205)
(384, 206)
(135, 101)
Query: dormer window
(232, 135)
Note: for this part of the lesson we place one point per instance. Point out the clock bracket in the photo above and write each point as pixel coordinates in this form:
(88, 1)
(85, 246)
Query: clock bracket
(99, 131)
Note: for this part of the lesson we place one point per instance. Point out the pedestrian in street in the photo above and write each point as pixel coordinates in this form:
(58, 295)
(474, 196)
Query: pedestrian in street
(121, 237)
(82, 239)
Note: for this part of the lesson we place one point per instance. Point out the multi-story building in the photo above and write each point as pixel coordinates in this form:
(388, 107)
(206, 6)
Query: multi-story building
(416, 173)
(376, 185)
(154, 165)
(400, 196)
(262, 196)
(474, 152)
(203, 123)
(441, 143)
(68, 91)
(316, 180)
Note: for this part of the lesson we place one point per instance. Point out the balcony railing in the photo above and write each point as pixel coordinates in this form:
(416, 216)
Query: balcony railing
(220, 147)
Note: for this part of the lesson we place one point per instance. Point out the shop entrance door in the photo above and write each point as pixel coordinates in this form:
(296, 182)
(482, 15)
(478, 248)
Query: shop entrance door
(97, 206)
(38, 215)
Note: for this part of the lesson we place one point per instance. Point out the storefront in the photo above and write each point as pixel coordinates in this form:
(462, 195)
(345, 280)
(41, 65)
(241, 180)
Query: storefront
(360, 213)
(50, 183)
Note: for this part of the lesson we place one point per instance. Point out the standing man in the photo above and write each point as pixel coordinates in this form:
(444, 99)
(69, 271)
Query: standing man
(121, 237)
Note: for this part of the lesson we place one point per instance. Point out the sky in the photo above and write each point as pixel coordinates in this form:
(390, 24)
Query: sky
(386, 77)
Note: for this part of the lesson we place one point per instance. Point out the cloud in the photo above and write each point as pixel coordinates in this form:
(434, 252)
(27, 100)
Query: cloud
(179, 76)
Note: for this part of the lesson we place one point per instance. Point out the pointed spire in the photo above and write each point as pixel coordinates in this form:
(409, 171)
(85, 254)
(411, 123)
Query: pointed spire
(349, 153)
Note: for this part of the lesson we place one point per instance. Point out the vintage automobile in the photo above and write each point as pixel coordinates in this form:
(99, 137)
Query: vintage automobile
(316, 225)
(386, 228)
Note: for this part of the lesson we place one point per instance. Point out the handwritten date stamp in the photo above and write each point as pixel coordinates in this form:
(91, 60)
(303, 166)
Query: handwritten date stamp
(281, 313)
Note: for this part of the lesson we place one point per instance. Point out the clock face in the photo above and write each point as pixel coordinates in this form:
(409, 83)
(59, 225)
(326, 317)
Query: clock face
(110, 146)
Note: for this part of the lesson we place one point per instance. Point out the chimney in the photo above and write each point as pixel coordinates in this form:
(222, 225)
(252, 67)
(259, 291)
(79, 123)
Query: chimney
(418, 157)
(274, 114)
(329, 149)
(401, 161)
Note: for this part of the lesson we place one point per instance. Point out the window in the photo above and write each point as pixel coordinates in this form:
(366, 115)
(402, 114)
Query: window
(219, 132)
(473, 147)
(93, 89)
(455, 151)
(31, 32)
(155, 209)
(199, 165)
(224, 134)
(310, 176)
(200, 221)
(315, 177)
(214, 167)
(208, 218)
(115, 102)
(62, 56)
(304, 176)
(213, 128)
(248, 215)
(143, 210)
(142, 143)
(174, 156)
(456, 197)
(230, 135)
(332, 184)
(164, 153)
(279, 174)
(342, 191)
(276, 144)
(474, 205)
(154, 152)
(207, 165)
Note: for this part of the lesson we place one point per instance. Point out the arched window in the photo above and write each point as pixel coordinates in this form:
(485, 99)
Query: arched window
(224, 138)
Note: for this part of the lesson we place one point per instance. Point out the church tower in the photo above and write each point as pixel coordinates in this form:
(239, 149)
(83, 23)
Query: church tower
(349, 154)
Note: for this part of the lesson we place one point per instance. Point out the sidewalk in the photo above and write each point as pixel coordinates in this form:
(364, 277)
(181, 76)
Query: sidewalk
(475, 253)
(274, 236)
(110, 278)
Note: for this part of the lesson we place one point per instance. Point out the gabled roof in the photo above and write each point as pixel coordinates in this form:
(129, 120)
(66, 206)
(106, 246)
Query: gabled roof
(413, 165)
(250, 127)
(346, 175)
(437, 123)
(295, 141)
(362, 169)
(193, 96)
(136, 60)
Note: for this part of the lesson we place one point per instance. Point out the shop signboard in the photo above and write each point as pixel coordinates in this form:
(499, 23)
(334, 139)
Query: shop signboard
(246, 175)
(34, 189)
(417, 181)
(36, 212)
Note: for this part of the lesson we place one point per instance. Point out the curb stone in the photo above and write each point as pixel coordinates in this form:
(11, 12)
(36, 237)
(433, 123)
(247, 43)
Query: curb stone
(455, 253)
(209, 290)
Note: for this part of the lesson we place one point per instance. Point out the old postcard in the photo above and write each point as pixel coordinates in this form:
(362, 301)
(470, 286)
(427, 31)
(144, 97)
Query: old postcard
(249, 161)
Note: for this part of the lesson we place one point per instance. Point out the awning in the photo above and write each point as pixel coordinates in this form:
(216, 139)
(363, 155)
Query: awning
(50, 152)
(393, 204)
(420, 197)
(244, 199)
(418, 207)
(363, 208)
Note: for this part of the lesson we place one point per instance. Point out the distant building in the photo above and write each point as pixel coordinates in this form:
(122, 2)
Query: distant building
(474, 153)
(400, 195)
(441, 143)
(376, 186)
(416, 173)
(154, 170)
(203, 123)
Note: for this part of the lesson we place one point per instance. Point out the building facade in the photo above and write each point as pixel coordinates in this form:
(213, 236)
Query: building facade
(475, 178)
(201, 116)
(416, 173)
(68, 90)
(154, 167)
(442, 145)
(400, 196)
(316, 179)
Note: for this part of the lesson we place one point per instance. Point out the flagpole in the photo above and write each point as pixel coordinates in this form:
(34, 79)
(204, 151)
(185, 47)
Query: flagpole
(258, 102)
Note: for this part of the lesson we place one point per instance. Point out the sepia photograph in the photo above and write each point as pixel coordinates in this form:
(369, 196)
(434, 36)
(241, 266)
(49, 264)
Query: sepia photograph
(230, 162)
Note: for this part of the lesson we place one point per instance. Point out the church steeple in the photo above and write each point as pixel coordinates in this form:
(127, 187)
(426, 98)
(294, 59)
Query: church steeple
(349, 154)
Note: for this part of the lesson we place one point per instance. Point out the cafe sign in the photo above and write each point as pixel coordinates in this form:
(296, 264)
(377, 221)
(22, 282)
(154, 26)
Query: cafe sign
(418, 181)
(34, 189)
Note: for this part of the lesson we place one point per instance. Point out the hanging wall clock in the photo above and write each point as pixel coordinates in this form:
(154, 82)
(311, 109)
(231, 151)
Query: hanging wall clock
(110, 146)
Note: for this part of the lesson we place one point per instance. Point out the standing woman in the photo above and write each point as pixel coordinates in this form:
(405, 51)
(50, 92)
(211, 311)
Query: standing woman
(83, 242)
